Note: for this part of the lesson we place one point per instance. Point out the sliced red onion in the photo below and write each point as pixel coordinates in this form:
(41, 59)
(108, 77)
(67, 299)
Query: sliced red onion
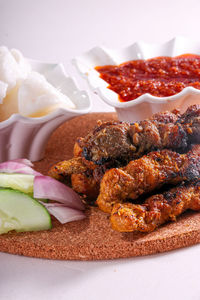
(23, 161)
(63, 213)
(48, 188)
(16, 167)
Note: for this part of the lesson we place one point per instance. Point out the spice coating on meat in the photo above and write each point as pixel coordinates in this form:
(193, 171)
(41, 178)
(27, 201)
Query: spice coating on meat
(79, 176)
(146, 174)
(190, 120)
(109, 141)
(122, 142)
(156, 210)
(64, 169)
(85, 185)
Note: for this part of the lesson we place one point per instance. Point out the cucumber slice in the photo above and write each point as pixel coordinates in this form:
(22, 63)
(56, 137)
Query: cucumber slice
(21, 212)
(20, 182)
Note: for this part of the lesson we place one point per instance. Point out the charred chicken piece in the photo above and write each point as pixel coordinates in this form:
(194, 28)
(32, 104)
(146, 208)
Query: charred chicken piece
(120, 142)
(146, 174)
(156, 210)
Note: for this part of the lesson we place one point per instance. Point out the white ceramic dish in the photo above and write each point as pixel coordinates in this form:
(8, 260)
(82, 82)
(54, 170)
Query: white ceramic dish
(27, 137)
(145, 105)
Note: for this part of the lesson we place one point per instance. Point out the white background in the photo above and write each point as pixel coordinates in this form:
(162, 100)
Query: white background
(56, 31)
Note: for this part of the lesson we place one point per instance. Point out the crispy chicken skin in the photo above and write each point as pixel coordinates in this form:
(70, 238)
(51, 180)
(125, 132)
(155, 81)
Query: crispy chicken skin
(147, 174)
(156, 210)
(120, 142)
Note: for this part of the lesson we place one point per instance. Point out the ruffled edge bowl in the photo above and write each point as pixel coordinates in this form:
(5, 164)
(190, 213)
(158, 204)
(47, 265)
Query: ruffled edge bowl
(145, 105)
(27, 137)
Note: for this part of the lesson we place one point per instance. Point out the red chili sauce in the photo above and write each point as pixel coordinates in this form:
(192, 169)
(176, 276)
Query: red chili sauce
(160, 76)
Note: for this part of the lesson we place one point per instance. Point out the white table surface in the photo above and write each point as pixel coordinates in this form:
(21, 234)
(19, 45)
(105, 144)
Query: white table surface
(56, 31)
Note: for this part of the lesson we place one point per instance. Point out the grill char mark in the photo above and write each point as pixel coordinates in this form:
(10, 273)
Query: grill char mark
(122, 141)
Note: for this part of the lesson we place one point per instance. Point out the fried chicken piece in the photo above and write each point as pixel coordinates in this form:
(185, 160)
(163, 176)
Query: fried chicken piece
(146, 174)
(156, 210)
(120, 142)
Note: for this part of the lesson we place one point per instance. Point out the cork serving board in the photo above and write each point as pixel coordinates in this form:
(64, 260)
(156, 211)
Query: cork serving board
(93, 237)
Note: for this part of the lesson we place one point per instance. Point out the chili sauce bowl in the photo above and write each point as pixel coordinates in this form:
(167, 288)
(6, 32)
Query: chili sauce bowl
(26, 137)
(145, 105)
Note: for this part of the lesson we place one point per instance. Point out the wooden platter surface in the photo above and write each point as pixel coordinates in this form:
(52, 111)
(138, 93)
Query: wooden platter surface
(93, 238)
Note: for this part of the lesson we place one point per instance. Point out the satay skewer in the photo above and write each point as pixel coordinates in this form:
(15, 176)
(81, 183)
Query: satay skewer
(157, 210)
(147, 174)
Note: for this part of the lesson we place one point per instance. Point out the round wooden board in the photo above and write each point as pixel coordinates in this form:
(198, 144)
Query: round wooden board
(93, 238)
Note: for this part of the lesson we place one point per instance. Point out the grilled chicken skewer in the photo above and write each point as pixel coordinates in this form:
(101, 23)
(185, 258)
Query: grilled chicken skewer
(156, 210)
(146, 174)
(120, 142)
(111, 146)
